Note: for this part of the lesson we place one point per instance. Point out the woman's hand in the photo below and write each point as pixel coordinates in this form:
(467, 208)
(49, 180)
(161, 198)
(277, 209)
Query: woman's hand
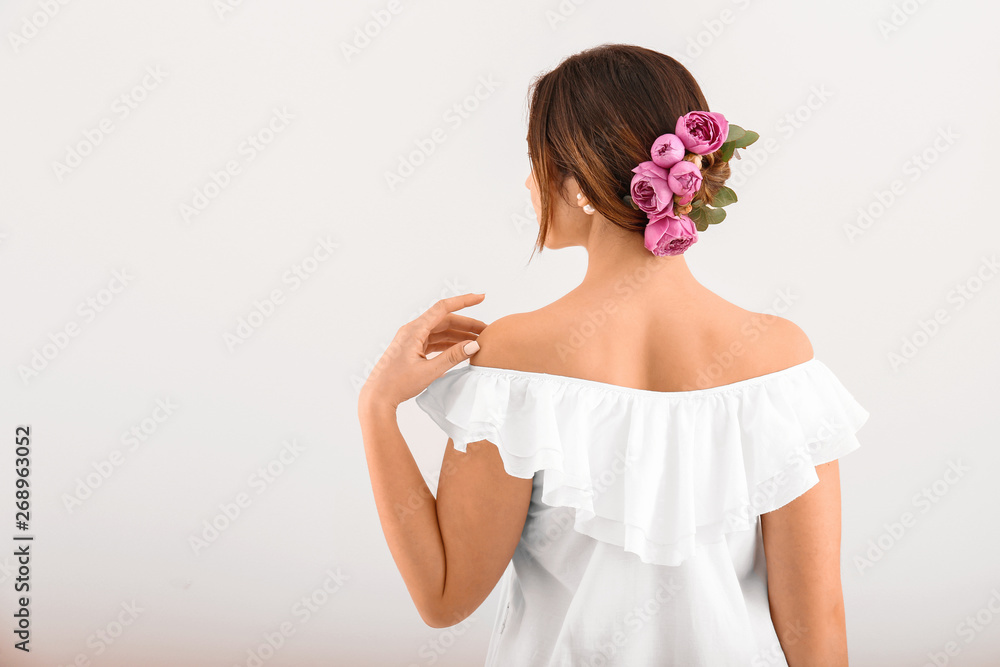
(404, 370)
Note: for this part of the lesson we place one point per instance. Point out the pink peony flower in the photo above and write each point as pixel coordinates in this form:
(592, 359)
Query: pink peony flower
(670, 235)
(667, 150)
(702, 132)
(684, 179)
(650, 191)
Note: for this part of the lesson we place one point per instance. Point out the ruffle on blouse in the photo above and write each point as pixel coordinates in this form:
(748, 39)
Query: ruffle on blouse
(655, 473)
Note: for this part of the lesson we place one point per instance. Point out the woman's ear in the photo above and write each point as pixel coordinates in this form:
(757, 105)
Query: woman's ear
(570, 191)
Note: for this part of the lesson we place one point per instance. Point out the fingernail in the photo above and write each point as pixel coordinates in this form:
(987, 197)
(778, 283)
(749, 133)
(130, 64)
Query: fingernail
(471, 348)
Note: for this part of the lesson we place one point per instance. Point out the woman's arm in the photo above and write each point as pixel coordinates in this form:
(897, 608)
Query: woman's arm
(802, 551)
(406, 507)
(451, 550)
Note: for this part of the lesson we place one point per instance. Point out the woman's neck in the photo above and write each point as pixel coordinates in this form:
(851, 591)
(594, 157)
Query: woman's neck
(618, 261)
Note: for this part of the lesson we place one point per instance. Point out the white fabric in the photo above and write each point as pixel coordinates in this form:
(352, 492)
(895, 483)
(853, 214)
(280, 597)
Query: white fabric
(642, 542)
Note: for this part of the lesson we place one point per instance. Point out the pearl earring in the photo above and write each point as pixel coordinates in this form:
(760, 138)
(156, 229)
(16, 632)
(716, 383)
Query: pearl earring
(587, 208)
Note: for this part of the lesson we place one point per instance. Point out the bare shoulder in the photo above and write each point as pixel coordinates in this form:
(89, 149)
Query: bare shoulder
(783, 343)
(528, 341)
(506, 342)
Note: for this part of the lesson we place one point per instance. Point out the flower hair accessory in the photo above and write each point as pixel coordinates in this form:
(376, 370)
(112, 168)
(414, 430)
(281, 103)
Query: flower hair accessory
(664, 187)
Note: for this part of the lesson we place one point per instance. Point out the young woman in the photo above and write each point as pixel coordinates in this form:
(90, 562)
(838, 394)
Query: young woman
(658, 464)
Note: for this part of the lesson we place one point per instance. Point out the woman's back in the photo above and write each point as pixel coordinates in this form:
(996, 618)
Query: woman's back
(645, 339)
(643, 541)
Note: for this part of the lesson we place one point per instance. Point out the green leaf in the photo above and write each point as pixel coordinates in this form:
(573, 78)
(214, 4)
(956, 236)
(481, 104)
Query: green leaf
(628, 200)
(727, 150)
(735, 133)
(724, 197)
(697, 215)
(747, 139)
(713, 216)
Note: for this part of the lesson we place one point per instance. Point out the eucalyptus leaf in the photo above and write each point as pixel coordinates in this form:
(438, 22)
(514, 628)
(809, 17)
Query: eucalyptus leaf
(697, 216)
(748, 138)
(727, 151)
(724, 197)
(714, 216)
(735, 132)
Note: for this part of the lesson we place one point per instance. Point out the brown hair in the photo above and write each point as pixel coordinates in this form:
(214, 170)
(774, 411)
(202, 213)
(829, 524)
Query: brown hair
(596, 116)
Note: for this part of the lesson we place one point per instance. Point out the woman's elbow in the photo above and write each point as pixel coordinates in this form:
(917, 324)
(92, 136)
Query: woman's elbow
(814, 637)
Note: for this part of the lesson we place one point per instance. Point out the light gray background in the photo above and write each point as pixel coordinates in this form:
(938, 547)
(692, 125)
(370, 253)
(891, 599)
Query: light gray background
(842, 104)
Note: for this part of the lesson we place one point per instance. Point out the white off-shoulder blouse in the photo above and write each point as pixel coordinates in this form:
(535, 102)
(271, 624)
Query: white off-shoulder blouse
(642, 543)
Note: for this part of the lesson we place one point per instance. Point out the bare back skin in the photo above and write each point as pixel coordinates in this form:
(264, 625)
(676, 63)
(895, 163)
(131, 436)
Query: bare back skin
(632, 336)
(636, 320)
